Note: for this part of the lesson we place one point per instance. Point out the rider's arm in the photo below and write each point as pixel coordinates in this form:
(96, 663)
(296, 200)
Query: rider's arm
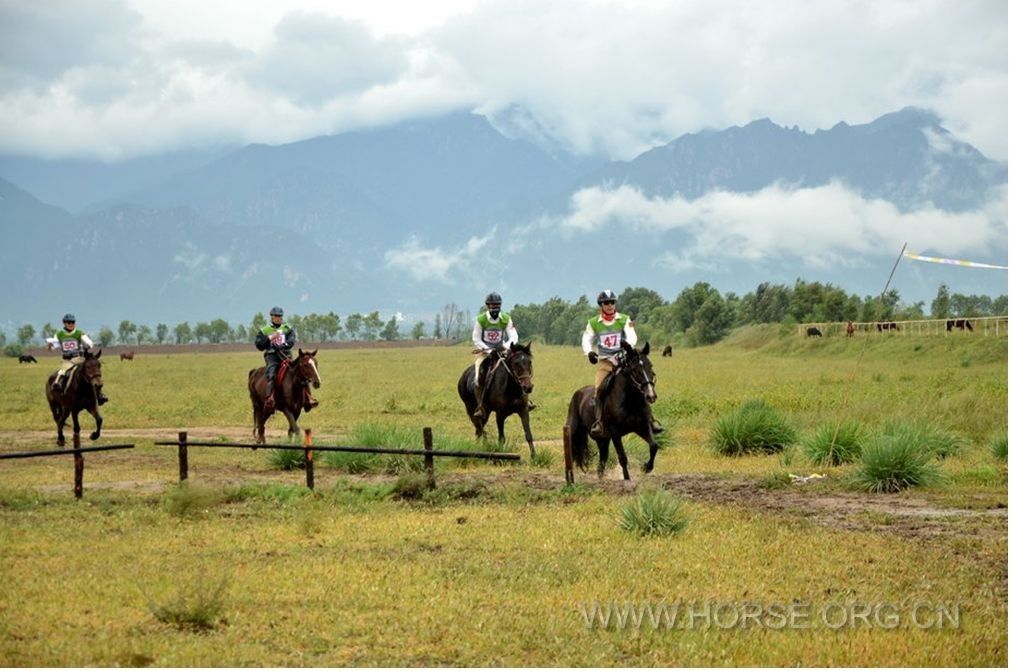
(588, 339)
(475, 337)
(290, 339)
(86, 341)
(630, 336)
(510, 334)
(262, 341)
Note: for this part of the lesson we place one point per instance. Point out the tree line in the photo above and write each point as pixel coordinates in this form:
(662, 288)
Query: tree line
(699, 315)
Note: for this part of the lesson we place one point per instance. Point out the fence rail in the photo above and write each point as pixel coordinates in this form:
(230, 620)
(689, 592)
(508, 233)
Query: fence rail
(979, 325)
(78, 454)
(307, 446)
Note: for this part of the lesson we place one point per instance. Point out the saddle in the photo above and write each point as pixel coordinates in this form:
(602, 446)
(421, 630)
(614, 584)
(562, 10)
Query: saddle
(282, 370)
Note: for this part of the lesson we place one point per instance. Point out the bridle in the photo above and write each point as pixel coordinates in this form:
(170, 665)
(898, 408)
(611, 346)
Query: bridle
(504, 362)
(638, 375)
(303, 377)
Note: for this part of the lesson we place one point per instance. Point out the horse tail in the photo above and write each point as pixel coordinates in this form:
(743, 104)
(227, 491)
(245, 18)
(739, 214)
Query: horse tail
(578, 433)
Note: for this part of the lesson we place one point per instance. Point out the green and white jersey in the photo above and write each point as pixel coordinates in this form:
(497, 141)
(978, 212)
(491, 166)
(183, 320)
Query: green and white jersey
(608, 335)
(71, 343)
(493, 333)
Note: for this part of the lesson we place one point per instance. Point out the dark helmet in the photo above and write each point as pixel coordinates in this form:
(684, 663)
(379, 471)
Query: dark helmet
(69, 318)
(276, 312)
(606, 295)
(493, 299)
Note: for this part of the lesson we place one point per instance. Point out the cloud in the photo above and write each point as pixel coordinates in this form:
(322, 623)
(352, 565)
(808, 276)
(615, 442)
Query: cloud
(425, 264)
(825, 227)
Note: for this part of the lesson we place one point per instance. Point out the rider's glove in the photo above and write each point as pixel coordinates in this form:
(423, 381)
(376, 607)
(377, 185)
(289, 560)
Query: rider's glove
(592, 356)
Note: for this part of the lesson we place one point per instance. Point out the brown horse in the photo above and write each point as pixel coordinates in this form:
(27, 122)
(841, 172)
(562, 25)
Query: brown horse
(291, 391)
(850, 329)
(506, 387)
(126, 356)
(82, 387)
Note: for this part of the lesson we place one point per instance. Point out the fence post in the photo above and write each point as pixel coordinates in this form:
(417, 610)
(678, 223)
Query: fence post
(429, 459)
(78, 467)
(310, 475)
(567, 450)
(184, 462)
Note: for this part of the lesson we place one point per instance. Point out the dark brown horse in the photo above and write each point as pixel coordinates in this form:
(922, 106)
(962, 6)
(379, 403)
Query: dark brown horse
(505, 391)
(81, 390)
(291, 392)
(958, 324)
(126, 356)
(626, 410)
(850, 329)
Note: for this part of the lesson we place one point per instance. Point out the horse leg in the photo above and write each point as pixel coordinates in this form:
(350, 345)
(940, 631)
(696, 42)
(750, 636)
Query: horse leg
(525, 418)
(60, 416)
(619, 448)
(77, 423)
(293, 429)
(602, 446)
(647, 435)
(500, 418)
(98, 423)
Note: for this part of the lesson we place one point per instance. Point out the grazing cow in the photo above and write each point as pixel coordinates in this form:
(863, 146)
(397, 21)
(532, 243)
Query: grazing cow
(887, 326)
(959, 324)
(667, 351)
(850, 329)
(28, 358)
(126, 356)
(813, 331)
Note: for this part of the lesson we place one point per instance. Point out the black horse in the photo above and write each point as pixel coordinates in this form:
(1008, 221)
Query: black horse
(959, 324)
(291, 392)
(82, 387)
(626, 410)
(505, 391)
(28, 358)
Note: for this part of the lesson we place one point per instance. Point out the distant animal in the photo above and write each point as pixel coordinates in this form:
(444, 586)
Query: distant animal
(291, 392)
(959, 324)
(887, 326)
(511, 379)
(813, 331)
(82, 387)
(626, 410)
(850, 329)
(667, 351)
(126, 356)
(28, 358)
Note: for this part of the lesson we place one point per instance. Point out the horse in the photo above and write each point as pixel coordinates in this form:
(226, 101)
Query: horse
(887, 326)
(626, 410)
(28, 358)
(812, 331)
(506, 387)
(850, 329)
(82, 386)
(290, 391)
(959, 324)
(126, 356)
(667, 351)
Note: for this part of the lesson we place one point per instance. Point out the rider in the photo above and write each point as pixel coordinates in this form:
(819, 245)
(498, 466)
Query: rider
(493, 333)
(275, 340)
(609, 329)
(72, 343)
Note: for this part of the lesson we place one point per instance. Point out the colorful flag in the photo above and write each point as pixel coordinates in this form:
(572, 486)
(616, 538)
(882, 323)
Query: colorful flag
(952, 262)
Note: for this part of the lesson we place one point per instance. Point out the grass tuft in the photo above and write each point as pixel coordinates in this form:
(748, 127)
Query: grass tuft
(190, 500)
(834, 443)
(286, 460)
(998, 445)
(654, 513)
(199, 606)
(754, 427)
(928, 437)
(543, 458)
(894, 461)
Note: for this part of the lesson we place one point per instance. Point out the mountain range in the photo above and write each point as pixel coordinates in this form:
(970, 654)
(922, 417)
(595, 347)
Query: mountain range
(410, 217)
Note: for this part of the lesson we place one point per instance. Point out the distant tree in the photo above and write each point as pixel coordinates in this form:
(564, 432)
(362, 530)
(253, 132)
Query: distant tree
(3, 339)
(218, 330)
(391, 331)
(47, 330)
(126, 329)
(183, 333)
(240, 334)
(25, 335)
(418, 331)
(940, 307)
(639, 302)
(999, 306)
(353, 325)
(202, 332)
(143, 334)
(450, 314)
(161, 333)
(371, 325)
(437, 330)
(259, 321)
(106, 336)
(711, 321)
(330, 326)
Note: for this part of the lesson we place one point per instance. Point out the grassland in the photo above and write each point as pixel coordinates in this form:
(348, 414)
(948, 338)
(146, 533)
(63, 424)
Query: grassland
(494, 566)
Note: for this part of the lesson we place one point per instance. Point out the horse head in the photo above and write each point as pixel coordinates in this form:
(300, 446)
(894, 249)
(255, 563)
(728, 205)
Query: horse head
(521, 365)
(305, 367)
(91, 369)
(639, 370)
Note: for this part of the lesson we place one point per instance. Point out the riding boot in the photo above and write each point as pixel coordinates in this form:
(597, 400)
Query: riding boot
(269, 403)
(479, 394)
(310, 402)
(655, 425)
(597, 430)
(530, 404)
(102, 398)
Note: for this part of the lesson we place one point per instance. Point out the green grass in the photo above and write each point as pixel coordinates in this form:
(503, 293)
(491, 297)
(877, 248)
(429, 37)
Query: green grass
(833, 443)
(998, 445)
(654, 513)
(895, 460)
(196, 606)
(754, 427)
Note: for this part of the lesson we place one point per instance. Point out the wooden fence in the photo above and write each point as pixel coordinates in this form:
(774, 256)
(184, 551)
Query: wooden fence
(988, 326)
(183, 444)
(77, 452)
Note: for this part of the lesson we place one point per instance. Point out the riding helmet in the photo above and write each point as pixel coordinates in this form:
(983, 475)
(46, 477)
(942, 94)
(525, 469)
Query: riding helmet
(606, 295)
(276, 312)
(69, 318)
(493, 299)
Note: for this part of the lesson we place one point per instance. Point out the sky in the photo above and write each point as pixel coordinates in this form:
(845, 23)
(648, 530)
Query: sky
(115, 79)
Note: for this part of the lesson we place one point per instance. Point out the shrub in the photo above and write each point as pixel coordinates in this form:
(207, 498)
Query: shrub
(894, 461)
(928, 437)
(286, 460)
(189, 500)
(543, 458)
(196, 607)
(752, 427)
(14, 350)
(654, 513)
(998, 445)
(412, 486)
(833, 443)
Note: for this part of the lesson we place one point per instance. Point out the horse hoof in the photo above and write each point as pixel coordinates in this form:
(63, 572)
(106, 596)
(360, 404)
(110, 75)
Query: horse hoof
(647, 468)
(94, 435)
(60, 442)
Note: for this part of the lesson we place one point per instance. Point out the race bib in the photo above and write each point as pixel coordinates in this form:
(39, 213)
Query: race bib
(493, 336)
(69, 345)
(610, 340)
(277, 338)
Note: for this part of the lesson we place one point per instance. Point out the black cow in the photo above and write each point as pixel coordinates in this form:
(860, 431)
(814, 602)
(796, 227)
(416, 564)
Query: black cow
(813, 331)
(27, 358)
(667, 351)
(959, 324)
